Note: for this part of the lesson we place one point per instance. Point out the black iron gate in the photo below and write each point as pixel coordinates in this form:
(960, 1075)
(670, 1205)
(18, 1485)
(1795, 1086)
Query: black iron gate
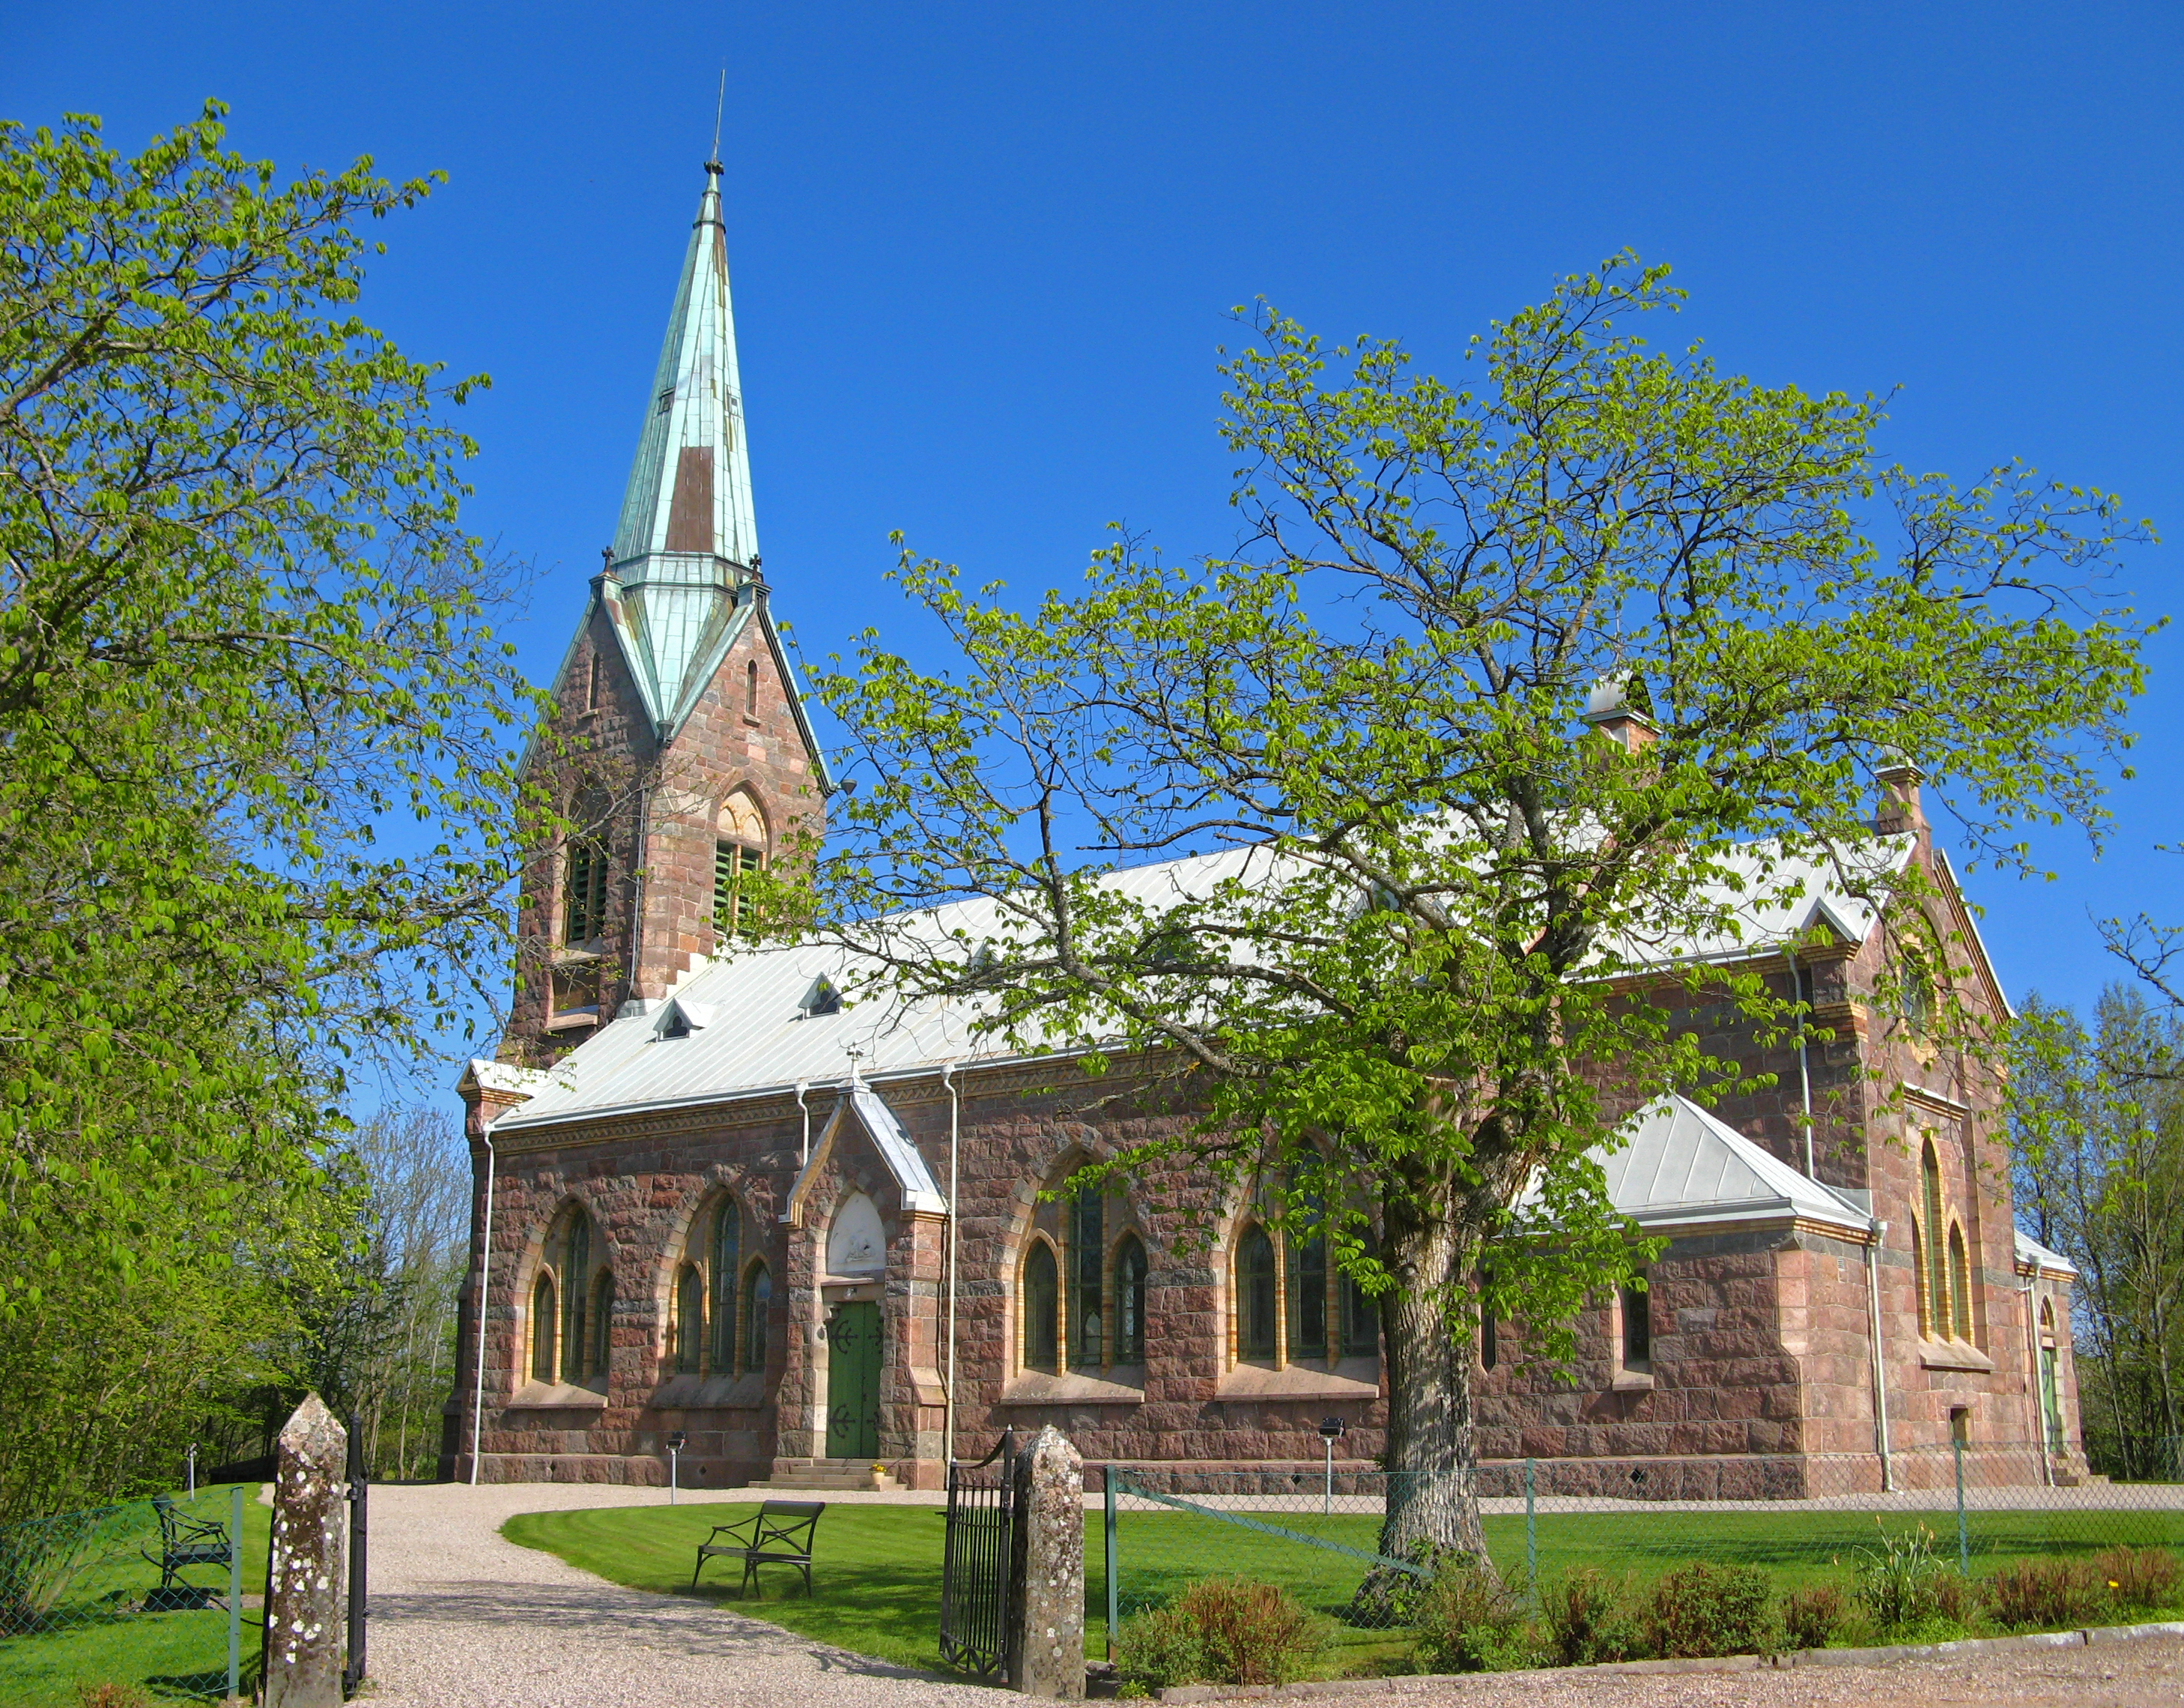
(974, 1578)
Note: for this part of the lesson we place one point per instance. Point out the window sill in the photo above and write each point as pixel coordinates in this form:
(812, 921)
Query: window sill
(1038, 1387)
(686, 1392)
(1953, 1354)
(1631, 1382)
(575, 1020)
(1353, 1378)
(556, 1396)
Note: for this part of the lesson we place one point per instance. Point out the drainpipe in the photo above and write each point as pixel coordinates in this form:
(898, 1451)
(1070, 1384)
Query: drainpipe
(1878, 1230)
(954, 1134)
(1804, 1068)
(804, 1161)
(485, 1277)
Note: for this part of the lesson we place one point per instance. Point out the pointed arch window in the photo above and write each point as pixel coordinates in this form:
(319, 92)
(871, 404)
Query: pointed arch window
(1939, 1317)
(725, 1265)
(584, 891)
(1041, 1309)
(602, 1325)
(542, 1324)
(1307, 1292)
(1087, 1250)
(1258, 1322)
(689, 1326)
(758, 1310)
(750, 689)
(1960, 1284)
(739, 853)
(575, 1267)
(1927, 1328)
(1132, 1272)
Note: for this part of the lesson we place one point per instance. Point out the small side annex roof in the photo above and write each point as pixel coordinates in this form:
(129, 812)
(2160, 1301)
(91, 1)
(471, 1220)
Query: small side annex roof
(1682, 1168)
(2044, 1259)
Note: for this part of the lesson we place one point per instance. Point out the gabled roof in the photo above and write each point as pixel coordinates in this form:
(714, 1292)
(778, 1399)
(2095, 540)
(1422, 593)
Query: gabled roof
(762, 1043)
(904, 1161)
(1682, 1168)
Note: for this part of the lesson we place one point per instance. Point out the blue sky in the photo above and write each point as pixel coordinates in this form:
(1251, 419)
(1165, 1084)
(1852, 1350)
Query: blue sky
(982, 255)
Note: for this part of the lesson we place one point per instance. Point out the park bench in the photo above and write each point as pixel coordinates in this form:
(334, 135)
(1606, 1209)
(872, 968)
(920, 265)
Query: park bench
(779, 1534)
(185, 1543)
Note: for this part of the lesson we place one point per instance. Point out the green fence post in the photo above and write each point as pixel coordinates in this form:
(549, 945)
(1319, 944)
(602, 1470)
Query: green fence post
(1964, 1538)
(1531, 1533)
(1114, 1596)
(235, 1591)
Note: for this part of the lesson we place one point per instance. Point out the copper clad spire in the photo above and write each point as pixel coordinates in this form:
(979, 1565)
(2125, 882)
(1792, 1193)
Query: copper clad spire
(688, 538)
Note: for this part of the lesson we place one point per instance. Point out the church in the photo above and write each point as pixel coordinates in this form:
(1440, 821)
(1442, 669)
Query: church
(721, 1213)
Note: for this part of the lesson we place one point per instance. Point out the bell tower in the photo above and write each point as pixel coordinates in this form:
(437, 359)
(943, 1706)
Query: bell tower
(678, 742)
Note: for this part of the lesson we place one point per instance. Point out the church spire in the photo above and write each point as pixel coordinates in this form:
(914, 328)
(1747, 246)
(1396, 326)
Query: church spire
(687, 544)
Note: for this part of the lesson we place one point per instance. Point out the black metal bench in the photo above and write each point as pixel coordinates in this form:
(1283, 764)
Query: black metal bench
(779, 1534)
(185, 1543)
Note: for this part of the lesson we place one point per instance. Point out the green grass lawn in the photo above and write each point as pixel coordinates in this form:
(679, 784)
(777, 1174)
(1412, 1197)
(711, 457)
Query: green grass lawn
(877, 1585)
(180, 1655)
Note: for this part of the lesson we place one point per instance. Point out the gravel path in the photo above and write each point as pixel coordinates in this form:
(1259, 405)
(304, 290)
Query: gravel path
(462, 1618)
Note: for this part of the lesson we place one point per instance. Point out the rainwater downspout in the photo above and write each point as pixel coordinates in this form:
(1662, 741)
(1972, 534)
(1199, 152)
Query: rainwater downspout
(1878, 1230)
(803, 1160)
(485, 1278)
(1804, 1068)
(955, 1133)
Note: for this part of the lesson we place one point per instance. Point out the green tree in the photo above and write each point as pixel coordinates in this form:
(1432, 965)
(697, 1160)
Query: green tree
(1454, 924)
(2097, 1121)
(257, 812)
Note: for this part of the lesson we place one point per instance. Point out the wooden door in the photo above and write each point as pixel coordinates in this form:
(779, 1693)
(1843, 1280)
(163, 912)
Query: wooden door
(853, 1381)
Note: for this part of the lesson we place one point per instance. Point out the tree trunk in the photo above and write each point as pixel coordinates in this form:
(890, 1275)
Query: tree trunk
(1432, 1467)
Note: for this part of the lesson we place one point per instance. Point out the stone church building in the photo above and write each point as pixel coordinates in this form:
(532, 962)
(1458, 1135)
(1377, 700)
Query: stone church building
(716, 1205)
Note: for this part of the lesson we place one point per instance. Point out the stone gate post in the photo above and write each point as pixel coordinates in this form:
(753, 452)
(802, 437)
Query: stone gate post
(1046, 1598)
(306, 1588)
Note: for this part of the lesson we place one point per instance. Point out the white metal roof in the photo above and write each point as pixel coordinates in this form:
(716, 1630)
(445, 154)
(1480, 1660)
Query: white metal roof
(1680, 1167)
(2030, 1251)
(758, 1040)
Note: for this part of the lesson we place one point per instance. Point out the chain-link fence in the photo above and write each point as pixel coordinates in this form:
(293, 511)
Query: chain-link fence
(1805, 1519)
(150, 1593)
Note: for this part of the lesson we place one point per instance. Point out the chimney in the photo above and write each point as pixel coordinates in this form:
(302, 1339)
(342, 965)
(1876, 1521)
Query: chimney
(1899, 809)
(1620, 708)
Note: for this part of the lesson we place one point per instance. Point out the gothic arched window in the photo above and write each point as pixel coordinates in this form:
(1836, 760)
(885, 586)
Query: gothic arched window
(758, 1306)
(1088, 1251)
(1041, 1309)
(1960, 1284)
(689, 1324)
(739, 851)
(1307, 1293)
(542, 1329)
(1938, 1314)
(602, 1325)
(573, 1264)
(1131, 1271)
(724, 1265)
(1257, 1320)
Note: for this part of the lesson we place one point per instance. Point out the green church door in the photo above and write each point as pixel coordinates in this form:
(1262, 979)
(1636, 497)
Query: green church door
(853, 1381)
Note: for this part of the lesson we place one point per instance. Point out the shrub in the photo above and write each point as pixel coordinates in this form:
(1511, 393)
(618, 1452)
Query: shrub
(2139, 1577)
(1956, 1599)
(1155, 1648)
(1468, 1621)
(2046, 1594)
(1811, 1617)
(1250, 1632)
(1712, 1610)
(1896, 1579)
(1591, 1618)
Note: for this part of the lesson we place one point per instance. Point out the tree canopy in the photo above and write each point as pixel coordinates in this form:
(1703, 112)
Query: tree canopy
(257, 811)
(1446, 949)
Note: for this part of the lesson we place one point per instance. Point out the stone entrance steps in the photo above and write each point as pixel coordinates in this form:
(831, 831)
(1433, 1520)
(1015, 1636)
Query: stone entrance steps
(827, 1473)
